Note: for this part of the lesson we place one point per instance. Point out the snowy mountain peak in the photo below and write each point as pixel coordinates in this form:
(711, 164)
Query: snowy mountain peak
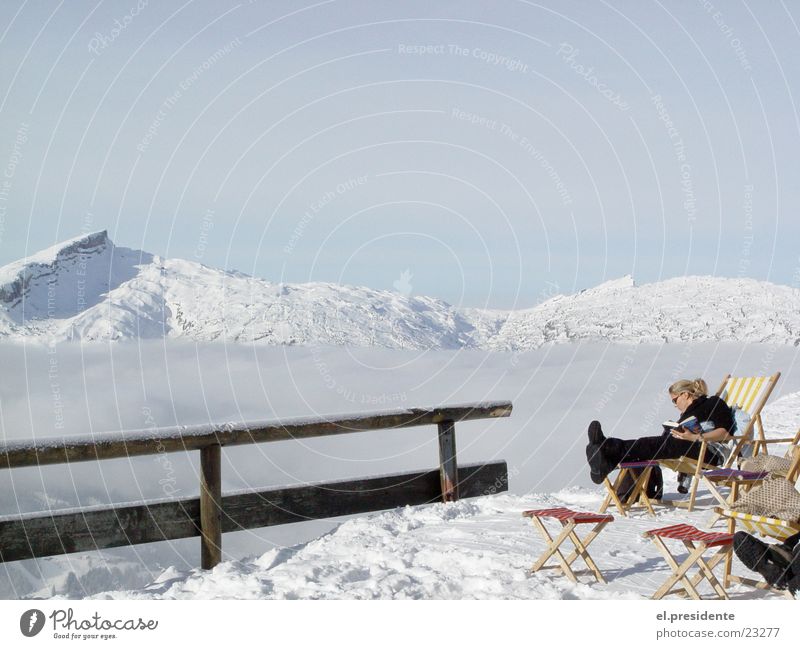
(89, 289)
(16, 278)
(619, 284)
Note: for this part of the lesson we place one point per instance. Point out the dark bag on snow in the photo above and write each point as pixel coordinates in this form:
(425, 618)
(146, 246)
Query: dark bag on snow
(655, 486)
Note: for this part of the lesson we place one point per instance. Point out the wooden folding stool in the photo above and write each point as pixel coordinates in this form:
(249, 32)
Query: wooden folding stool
(696, 542)
(638, 495)
(569, 520)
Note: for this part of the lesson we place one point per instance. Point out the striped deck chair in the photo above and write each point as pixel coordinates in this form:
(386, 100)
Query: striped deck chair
(736, 479)
(750, 394)
(775, 528)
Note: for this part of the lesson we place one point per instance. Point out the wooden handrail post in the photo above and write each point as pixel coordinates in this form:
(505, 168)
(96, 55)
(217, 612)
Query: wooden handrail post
(50, 533)
(448, 467)
(210, 506)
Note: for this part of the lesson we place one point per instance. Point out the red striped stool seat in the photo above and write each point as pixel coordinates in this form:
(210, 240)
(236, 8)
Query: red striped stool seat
(696, 544)
(688, 533)
(569, 520)
(642, 464)
(564, 514)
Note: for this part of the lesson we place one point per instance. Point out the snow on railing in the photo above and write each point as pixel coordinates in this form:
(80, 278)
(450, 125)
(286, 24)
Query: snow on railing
(95, 528)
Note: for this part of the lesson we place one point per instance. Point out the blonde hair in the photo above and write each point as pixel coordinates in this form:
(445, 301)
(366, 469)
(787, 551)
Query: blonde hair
(696, 388)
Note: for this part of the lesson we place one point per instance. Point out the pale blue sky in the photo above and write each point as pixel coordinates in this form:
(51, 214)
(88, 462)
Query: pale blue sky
(314, 141)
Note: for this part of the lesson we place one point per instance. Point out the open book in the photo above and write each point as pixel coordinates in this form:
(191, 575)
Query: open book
(690, 423)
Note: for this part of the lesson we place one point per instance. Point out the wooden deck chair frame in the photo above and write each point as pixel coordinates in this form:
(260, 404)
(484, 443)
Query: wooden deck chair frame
(638, 495)
(775, 528)
(751, 395)
(735, 484)
(793, 442)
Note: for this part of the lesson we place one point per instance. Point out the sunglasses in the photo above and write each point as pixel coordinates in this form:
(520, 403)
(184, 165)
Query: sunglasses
(675, 398)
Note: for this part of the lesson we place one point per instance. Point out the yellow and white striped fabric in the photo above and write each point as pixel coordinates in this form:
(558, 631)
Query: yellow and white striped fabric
(763, 525)
(748, 392)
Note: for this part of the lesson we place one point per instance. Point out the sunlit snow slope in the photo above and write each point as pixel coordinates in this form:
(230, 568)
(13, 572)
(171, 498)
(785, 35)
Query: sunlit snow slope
(89, 289)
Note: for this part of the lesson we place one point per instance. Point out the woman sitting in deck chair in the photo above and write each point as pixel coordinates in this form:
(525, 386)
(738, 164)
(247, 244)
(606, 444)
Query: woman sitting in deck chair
(691, 398)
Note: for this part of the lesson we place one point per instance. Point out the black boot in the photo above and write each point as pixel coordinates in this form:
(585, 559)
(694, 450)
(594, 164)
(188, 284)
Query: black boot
(602, 453)
(762, 558)
(596, 433)
(793, 573)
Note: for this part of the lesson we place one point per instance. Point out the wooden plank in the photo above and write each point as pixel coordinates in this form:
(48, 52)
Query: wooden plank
(103, 446)
(210, 506)
(97, 528)
(448, 467)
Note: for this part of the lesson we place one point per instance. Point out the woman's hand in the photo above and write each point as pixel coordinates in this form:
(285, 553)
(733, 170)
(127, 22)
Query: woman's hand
(716, 435)
(686, 435)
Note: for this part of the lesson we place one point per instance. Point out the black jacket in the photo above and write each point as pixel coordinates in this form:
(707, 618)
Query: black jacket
(711, 409)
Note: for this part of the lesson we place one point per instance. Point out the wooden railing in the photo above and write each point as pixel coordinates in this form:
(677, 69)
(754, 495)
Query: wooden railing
(44, 534)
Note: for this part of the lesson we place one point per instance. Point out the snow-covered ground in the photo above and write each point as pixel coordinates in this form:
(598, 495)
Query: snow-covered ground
(556, 390)
(478, 548)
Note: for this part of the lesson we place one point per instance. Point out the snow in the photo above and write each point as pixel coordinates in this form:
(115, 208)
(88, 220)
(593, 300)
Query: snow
(556, 391)
(605, 353)
(91, 290)
(473, 549)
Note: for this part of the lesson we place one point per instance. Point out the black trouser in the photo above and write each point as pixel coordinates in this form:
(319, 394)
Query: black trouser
(661, 447)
